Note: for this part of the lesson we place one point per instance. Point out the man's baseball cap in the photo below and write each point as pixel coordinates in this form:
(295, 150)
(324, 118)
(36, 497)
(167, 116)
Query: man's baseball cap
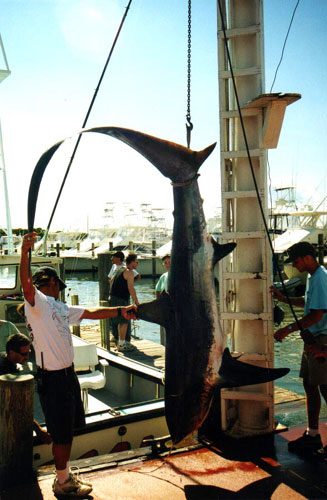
(300, 250)
(43, 275)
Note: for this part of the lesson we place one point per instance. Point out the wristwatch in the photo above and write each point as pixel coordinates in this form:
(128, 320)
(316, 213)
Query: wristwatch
(290, 328)
(118, 311)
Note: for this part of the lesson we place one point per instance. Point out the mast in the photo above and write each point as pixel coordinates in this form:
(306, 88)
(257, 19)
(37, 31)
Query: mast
(4, 72)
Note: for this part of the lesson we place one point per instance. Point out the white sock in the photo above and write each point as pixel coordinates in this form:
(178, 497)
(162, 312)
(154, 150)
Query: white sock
(63, 475)
(312, 432)
(122, 342)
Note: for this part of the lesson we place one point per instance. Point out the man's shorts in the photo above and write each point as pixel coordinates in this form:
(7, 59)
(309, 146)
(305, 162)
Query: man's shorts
(313, 371)
(60, 398)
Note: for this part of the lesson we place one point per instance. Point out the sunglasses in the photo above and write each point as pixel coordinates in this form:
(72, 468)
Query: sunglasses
(24, 354)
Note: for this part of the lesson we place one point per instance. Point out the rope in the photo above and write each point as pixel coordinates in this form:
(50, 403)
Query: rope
(189, 124)
(252, 169)
(284, 45)
(86, 119)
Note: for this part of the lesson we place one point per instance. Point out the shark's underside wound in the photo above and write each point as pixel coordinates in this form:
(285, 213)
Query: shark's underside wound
(196, 362)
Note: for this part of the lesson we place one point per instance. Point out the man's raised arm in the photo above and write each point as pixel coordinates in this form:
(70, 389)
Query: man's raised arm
(25, 274)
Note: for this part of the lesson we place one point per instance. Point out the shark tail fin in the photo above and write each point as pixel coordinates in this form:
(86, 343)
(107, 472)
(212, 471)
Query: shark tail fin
(178, 163)
(234, 373)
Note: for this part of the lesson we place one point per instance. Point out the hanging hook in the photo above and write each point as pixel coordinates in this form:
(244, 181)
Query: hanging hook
(189, 128)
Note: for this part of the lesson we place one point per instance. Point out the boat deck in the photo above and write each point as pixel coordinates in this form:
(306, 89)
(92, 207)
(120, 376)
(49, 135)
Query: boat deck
(259, 469)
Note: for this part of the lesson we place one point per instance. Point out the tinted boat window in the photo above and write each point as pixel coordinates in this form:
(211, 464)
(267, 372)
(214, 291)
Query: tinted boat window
(8, 277)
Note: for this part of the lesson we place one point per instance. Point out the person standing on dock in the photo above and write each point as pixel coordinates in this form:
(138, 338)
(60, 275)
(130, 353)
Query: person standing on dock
(314, 332)
(162, 286)
(48, 319)
(117, 263)
(122, 288)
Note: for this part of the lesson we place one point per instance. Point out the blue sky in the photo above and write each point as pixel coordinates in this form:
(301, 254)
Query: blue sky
(56, 50)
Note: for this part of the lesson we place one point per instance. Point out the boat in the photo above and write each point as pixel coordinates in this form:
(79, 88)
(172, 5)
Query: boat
(140, 229)
(127, 410)
(254, 469)
(127, 239)
(309, 226)
(280, 213)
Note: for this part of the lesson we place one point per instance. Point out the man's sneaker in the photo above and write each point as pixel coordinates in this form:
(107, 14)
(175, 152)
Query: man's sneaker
(305, 444)
(73, 487)
(127, 347)
(74, 471)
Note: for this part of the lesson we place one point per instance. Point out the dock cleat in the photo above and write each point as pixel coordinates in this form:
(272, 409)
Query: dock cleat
(305, 444)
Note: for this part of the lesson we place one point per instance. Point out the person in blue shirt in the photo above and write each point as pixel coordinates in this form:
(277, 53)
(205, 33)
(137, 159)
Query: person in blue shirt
(162, 286)
(314, 332)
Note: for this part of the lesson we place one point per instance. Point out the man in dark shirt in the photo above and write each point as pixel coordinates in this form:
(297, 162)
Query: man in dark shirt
(18, 351)
(122, 288)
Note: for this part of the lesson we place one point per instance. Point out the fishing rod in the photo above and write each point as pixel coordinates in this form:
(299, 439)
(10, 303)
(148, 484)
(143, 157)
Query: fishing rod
(85, 121)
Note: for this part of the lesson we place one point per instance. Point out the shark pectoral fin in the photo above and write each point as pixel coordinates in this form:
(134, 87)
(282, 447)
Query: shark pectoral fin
(220, 251)
(158, 311)
(234, 373)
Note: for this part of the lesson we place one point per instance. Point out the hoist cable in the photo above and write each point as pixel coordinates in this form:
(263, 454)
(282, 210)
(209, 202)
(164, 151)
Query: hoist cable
(86, 119)
(251, 167)
(284, 45)
(189, 124)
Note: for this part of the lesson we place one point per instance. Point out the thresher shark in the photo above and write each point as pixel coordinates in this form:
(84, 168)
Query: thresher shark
(197, 364)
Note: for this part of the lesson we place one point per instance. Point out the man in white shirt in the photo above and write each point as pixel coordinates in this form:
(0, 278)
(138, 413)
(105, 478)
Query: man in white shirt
(49, 319)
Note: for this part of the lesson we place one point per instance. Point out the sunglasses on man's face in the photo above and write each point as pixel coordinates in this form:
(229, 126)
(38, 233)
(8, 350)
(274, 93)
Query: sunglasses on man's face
(24, 354)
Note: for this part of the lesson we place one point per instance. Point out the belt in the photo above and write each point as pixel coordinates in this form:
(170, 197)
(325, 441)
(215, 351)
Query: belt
(65, 371)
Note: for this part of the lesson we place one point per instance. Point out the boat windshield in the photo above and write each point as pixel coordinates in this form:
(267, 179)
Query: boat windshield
(8, 278)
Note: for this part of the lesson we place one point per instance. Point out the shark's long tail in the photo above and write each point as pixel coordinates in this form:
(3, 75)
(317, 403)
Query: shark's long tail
(234, 373)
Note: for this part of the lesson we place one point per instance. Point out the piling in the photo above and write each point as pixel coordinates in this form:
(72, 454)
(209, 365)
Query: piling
(154, 260)
(104, 264)
(63, 277)
(105, 328)
(76, 328)
(321, 249)
(16, 429)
